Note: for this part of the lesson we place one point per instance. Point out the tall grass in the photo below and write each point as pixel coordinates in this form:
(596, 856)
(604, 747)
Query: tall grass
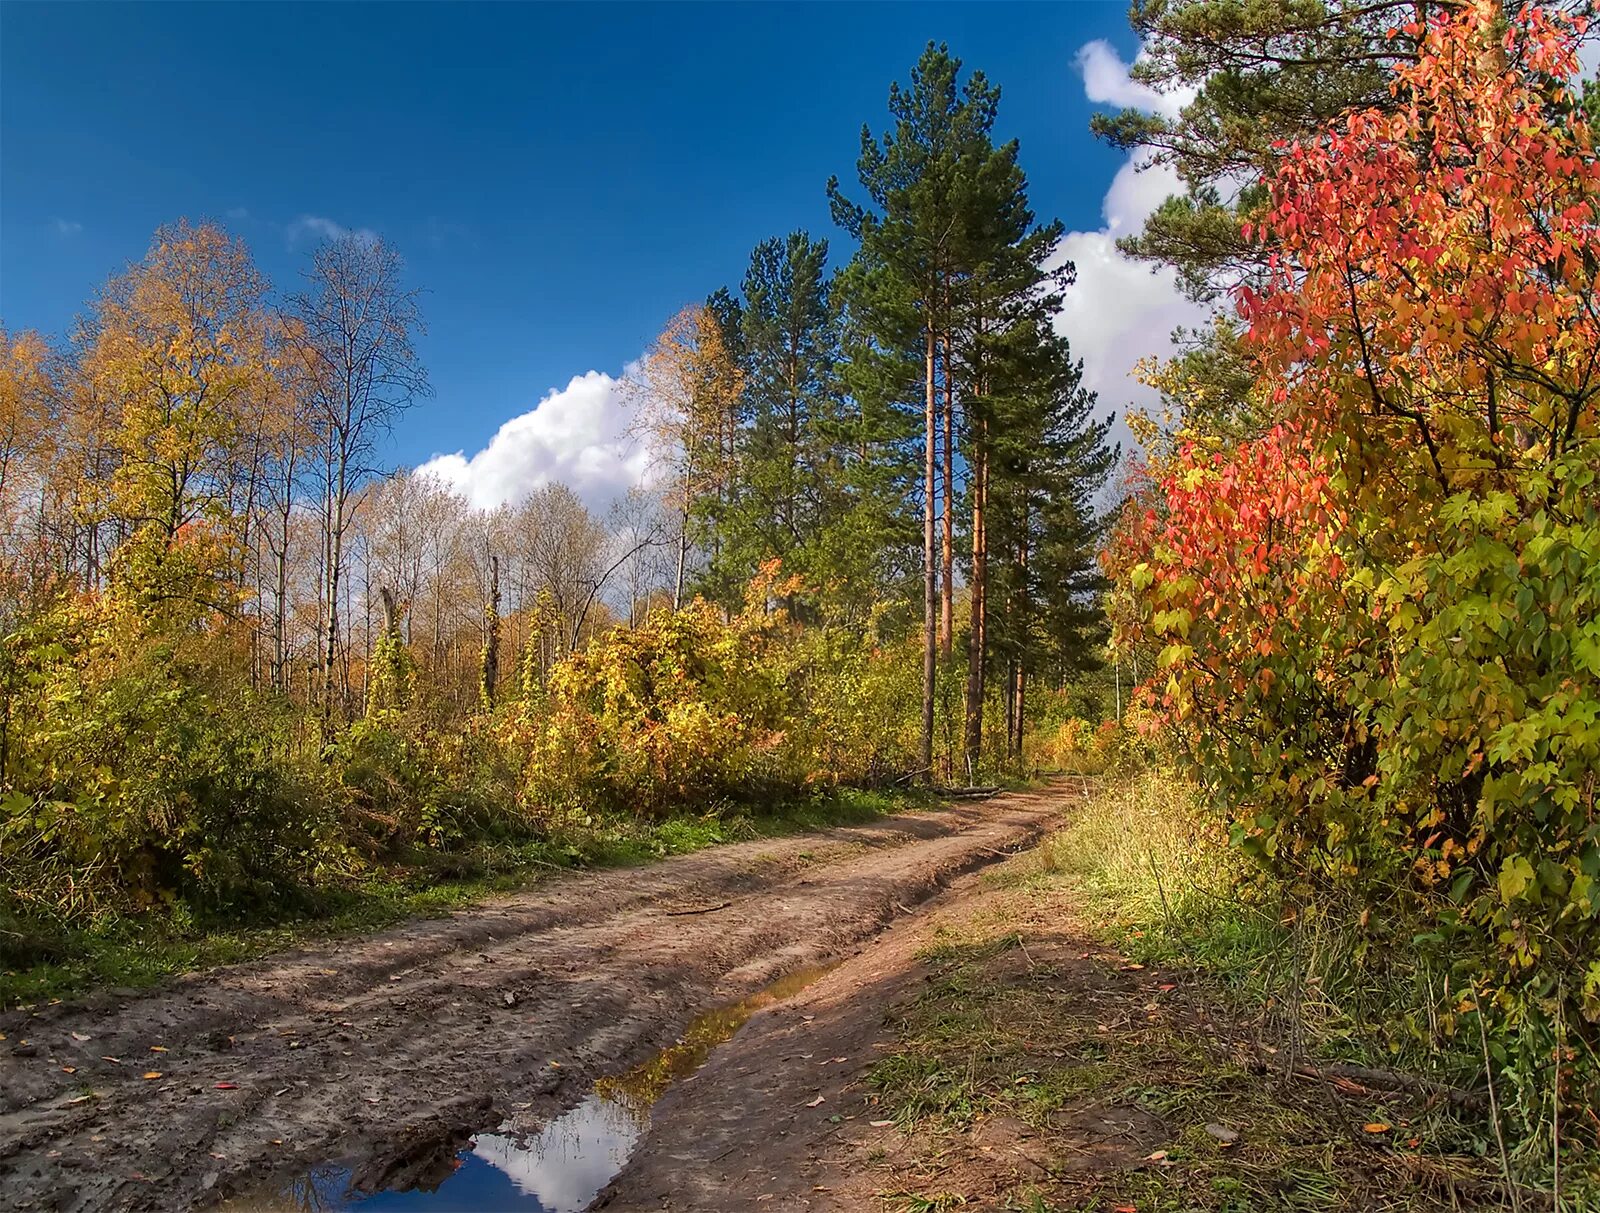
(1309, 976)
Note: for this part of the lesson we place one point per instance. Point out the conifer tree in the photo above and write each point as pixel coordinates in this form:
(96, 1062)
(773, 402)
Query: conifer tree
(910, 263)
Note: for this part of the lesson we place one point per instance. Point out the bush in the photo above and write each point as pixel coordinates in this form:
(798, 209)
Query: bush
(690, 708)
(134, 780)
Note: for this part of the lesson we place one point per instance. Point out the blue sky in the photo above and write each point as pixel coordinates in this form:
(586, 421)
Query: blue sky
(560, 179)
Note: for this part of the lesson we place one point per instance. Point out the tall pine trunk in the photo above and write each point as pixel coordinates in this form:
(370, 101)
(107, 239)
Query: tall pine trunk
(930, 588)
(977, 632)
(1020, 689)
(947, 587)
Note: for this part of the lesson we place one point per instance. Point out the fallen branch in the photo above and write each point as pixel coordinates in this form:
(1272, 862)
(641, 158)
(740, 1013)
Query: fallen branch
(976, 793)
(1382, 1080)
(721, 905)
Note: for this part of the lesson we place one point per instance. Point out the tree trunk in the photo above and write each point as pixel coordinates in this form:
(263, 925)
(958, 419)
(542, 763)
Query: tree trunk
(977, 632)
(930, 589)
(683, 532)
(1019, 693)
(280, 612)
(330, 639)
(947, 573)
(491, 639)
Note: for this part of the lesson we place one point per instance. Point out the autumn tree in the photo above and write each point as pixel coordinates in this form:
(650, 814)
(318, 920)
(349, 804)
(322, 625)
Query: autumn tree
(179, 343)
(28, 418)
(357, 323)
(1376, 613)
(687, 396)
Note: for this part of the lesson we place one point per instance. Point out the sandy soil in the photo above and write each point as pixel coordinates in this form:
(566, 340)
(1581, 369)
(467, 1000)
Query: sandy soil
(392, 1049)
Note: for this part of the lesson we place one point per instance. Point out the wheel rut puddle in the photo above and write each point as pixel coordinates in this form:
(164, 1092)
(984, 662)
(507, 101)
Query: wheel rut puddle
(559, 1168)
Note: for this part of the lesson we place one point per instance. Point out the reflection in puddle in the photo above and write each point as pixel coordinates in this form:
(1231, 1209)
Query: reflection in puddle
(561, 1168)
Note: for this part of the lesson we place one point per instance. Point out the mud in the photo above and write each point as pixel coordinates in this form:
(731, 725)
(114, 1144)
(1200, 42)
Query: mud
(392, 1051)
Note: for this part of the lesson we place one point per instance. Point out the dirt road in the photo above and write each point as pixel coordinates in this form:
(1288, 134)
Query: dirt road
(391, 1050)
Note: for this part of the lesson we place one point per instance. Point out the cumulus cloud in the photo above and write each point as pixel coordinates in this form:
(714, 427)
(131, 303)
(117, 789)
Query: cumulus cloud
(319, 227)
(577, 436)
(566, 1164)
(1106, 81)
(1121, 310)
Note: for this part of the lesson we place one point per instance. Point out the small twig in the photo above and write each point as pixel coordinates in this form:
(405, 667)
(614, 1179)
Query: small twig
(1555, 1097)
(1494, 1105)
(1166, 906)
(721, 905)
(1025, 956)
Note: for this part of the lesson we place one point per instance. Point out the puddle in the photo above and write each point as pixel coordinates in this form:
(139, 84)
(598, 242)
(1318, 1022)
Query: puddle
(559, 1169)
(641, 1086)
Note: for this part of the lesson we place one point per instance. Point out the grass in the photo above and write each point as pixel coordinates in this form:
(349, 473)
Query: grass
(1127, 970)
(47, 961)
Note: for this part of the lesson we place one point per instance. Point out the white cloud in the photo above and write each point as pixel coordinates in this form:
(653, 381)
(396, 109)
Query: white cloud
(1118, 312)
(65, 227)
(1106, 80)
(1121, 310)
(1139, 187)
(564, 1166)
(577, 436)
(318, 227)
(238, 212)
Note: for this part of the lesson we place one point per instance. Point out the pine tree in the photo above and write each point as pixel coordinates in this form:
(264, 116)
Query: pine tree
(910, 270)
(789, 490)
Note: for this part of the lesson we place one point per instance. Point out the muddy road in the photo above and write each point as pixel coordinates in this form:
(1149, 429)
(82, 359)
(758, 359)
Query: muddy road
(386, 1054)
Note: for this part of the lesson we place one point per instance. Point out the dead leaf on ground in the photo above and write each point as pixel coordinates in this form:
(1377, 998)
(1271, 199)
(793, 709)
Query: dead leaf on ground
(1376, 1126)
(148, 1074)
(224, 1086)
